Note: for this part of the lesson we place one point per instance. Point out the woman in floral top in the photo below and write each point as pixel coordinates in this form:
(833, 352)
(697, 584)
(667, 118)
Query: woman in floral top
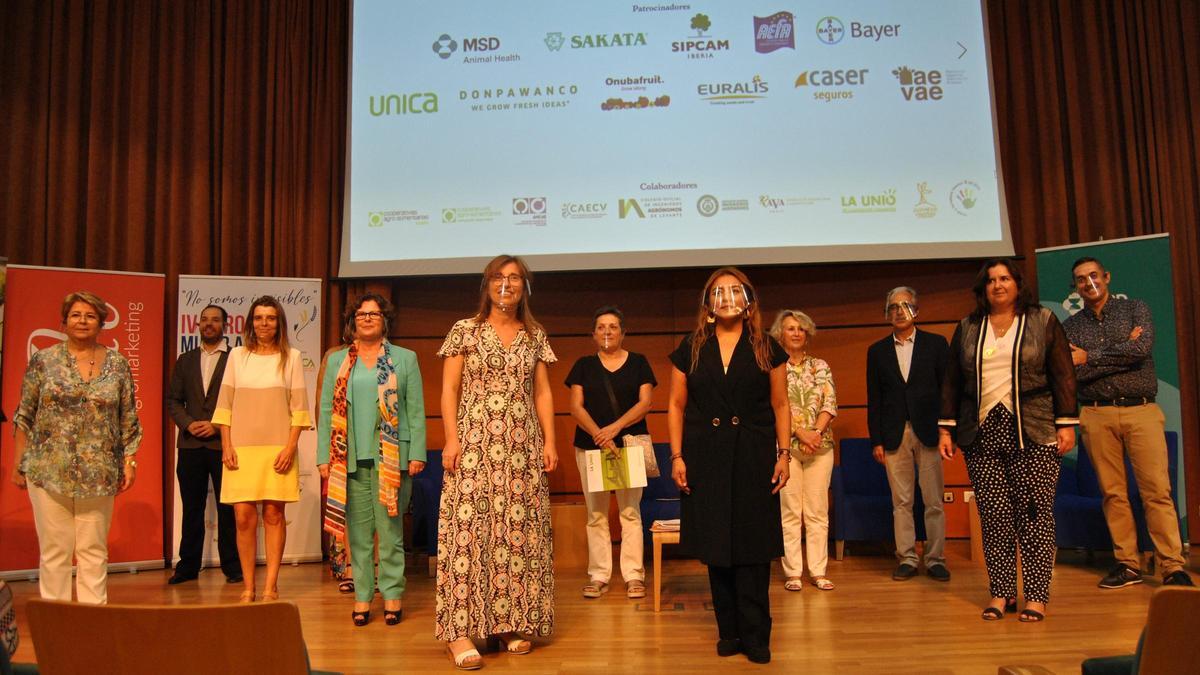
(77, 432)
(806, 496)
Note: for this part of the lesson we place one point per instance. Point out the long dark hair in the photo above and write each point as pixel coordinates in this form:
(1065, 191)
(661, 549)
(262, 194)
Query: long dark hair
(281, 331)
(524, 315)
(1025, 299)
(751, 319)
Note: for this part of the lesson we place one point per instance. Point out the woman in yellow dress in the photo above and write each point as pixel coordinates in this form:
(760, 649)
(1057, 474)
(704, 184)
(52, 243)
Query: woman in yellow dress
(261, 410)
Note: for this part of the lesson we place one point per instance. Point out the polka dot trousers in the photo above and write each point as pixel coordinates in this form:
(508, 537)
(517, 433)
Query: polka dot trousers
(1015, 492)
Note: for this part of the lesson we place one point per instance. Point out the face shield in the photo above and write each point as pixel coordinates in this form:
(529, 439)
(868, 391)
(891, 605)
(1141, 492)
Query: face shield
(903, 310)
(733, 298)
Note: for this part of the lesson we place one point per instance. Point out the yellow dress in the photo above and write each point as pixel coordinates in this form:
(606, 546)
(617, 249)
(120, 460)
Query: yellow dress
(260, 404)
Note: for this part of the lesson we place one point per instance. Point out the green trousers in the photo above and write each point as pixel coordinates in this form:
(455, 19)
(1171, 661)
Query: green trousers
(367, 517)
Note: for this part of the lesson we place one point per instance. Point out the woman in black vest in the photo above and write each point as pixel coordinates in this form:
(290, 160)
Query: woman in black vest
(730, 428)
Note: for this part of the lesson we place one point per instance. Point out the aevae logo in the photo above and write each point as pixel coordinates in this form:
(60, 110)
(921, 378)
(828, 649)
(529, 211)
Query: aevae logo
(701, 45)
(919, 85)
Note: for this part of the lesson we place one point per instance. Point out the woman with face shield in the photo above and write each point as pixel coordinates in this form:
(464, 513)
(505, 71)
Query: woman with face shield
(495, 576)
(805, 499)
(610, 395)
(730, 428)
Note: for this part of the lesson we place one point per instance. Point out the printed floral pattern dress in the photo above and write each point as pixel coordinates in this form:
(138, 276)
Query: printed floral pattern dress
(495, 570)
(810, 393)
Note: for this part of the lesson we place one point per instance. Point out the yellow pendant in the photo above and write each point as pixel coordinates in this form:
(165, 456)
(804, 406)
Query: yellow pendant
(987, 353)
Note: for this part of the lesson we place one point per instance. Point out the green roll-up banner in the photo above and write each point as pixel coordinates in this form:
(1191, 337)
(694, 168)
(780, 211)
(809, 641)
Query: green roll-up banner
(1141, 269)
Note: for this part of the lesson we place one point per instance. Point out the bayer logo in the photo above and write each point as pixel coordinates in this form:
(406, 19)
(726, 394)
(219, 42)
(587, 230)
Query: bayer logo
(830, 30)
(708, 206)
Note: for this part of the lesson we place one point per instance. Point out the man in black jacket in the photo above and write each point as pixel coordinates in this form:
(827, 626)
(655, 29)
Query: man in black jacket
(191, 399)
(904, 376)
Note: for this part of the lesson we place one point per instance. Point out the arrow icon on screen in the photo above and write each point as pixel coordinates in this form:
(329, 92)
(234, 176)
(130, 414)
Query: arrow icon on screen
(964, 48)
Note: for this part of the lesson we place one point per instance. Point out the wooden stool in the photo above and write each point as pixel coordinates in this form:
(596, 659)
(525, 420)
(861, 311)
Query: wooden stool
(660, 538)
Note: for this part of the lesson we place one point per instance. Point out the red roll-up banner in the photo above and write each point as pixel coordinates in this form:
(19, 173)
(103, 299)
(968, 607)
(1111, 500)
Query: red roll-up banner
(33, 321)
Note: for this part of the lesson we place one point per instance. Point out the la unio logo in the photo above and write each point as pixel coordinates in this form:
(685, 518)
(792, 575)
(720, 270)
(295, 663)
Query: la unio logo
(919, 85)
(701, 46)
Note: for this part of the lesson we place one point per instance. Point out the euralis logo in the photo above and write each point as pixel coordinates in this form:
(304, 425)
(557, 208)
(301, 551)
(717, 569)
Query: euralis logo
(733, 92)
(404, 104)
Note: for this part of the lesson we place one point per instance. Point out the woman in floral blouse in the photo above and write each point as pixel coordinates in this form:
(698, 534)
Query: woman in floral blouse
(806, 496)
(77, 432)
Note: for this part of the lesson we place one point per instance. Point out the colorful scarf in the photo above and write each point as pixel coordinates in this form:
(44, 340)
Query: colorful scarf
(389, 442)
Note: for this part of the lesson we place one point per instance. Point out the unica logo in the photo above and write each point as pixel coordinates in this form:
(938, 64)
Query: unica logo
(403, 104)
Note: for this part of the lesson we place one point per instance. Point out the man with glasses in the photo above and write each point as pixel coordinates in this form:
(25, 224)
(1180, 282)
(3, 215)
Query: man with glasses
(1111, 343)
(904, 385)
(191, 399)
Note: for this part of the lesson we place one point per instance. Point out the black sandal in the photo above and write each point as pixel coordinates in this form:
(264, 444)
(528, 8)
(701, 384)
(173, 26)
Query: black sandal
(346, 586)
(361, 618)
(392, 618)
(1031, 616)
(1010, 606)
(992, 614)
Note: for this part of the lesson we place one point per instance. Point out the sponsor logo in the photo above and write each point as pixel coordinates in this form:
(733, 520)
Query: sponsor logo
(831, 85)
(603, 40)
(650, 207)
(708, 206)
(701, 45)
(778, 203)
(964, 196)
(470, 214)
(519, 97)
(924, 209)
(668, 186)
(639, 83)
(584, 210)
(733, 93)
(554, 41)
(880, 202)
(403, 104)
(831, 30)
(920, 85)
(774, 32)
(637, 104)
(445, 46)
(529, 210)
(381, 218)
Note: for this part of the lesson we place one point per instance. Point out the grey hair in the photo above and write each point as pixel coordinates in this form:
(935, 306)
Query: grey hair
(806, 323)
(899, 289)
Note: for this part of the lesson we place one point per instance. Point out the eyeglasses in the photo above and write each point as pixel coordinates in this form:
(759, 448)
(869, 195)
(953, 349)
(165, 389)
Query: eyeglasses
(83, 316)
(365, 316)
(512, 279)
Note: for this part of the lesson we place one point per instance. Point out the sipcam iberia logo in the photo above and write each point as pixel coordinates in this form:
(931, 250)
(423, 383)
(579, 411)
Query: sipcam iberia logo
(529, 210)
(733, 93)
(403, 104)
(832, 85)
(701, 45)
(777, 31)
(831, 30)
(924, 208)
(964, 196)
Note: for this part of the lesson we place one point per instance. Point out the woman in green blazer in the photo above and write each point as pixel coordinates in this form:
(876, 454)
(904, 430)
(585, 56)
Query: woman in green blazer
(370, 441)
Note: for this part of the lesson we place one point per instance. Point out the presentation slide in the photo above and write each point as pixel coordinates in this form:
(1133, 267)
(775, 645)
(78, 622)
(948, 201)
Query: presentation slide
(618, 135)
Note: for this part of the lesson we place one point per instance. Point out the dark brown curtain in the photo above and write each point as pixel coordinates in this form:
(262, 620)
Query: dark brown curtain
(208, 137)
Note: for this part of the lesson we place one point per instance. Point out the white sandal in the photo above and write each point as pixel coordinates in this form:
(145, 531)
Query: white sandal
(468, 659)
(823, 583)
(793, 584)
(512, 643)
(595, 589)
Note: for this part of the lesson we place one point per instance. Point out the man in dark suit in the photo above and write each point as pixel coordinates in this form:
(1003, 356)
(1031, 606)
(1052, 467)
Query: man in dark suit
(191, 400)
(904, 378)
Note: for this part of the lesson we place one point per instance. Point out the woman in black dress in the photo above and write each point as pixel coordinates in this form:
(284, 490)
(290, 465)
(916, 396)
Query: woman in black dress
(730, 427)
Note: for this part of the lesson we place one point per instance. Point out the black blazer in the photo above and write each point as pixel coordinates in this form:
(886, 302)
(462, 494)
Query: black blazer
(186, 401)
(891, 401)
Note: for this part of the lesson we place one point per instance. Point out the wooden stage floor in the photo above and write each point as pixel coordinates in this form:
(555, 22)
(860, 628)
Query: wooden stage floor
(869, 624)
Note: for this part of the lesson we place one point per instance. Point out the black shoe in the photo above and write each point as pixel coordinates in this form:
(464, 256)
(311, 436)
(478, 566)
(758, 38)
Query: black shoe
(904, 572)
(361, 618)
(1178, 578)
(757, 654)
(392, 618)
(728, 647)
(235, 579)
(179, 578)
(1121, 576)
(938, 573)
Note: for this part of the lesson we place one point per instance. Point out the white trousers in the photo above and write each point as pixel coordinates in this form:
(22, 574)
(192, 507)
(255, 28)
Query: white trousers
(66, 527)
(633, 566)
(804, 504)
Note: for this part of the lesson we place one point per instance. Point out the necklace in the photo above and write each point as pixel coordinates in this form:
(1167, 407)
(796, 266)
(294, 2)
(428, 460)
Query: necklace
(91, 362)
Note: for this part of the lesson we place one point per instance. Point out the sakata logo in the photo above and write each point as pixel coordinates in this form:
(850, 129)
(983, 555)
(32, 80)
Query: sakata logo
(554, 41)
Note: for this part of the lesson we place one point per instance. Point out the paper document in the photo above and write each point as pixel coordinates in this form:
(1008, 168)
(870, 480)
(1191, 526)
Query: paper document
(605, 473)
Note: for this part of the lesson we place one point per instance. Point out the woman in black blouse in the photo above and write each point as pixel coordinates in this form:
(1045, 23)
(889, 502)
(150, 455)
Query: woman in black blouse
(610, 395)
(730, 426)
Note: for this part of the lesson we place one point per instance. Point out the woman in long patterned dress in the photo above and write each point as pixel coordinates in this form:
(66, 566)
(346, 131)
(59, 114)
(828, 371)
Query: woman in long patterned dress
(495, 577)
